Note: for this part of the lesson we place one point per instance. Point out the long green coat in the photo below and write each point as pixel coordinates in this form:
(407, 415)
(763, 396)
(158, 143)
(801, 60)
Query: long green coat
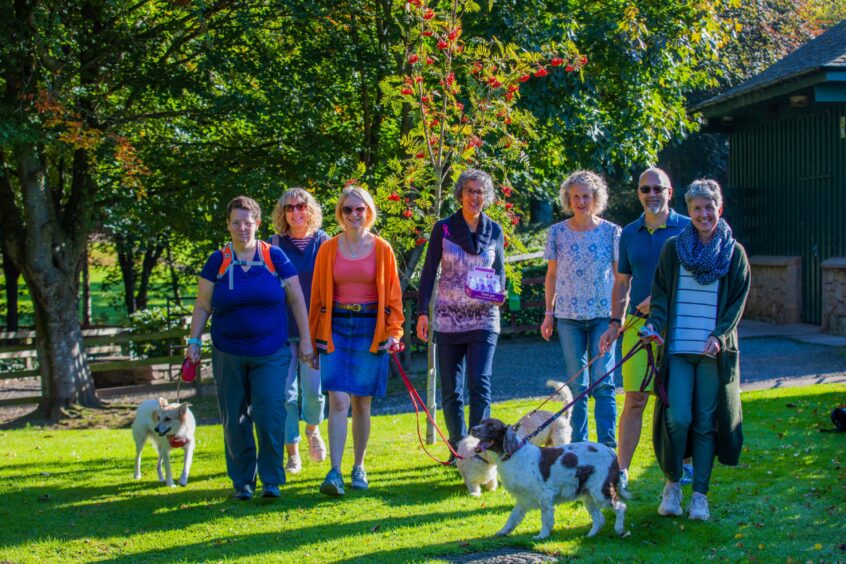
(731, 297)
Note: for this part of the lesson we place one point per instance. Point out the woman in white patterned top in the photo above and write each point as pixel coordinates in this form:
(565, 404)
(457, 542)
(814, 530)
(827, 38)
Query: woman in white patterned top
(698, 294)
(582, 257)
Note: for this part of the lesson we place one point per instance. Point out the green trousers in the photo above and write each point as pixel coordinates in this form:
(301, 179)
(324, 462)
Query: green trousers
(692, 392)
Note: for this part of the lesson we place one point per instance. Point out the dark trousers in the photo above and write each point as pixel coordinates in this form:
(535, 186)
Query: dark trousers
(477, 358)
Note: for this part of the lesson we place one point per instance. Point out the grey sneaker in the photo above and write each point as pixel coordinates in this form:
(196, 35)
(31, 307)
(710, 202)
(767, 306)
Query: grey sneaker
(687, 475)
(359, 478)
(698, 508)
(333, 484)
(294, 464)
(624, 479)
(671, 500)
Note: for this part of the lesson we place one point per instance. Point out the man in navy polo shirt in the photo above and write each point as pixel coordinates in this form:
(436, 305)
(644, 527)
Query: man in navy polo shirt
(640, 248)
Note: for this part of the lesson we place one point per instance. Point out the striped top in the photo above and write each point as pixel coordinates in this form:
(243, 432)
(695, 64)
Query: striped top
(696, 314)
(300, 243)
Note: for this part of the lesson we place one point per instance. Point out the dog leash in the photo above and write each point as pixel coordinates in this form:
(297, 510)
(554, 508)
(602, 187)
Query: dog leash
(418, 402)
(629, 324)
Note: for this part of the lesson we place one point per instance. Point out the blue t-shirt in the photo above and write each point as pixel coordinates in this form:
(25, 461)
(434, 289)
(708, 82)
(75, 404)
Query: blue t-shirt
(251, 318)
(640, 251)
(303, 261)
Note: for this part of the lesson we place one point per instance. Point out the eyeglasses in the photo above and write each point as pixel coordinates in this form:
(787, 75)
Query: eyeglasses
(347, 210)
(646, 189)
(475, 193)
(302, 206)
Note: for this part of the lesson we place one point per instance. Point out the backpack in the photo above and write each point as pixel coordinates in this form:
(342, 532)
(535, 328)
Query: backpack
(230, 260)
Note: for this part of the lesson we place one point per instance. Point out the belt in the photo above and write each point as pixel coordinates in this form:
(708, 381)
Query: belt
(355, 307)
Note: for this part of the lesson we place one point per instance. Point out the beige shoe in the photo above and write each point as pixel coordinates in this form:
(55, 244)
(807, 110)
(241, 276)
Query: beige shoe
(294, 465)
(671, 500)
(316, 446)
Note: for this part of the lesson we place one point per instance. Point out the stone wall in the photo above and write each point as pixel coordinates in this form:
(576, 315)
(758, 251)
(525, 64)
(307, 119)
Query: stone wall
(834, 295)
(776, 292)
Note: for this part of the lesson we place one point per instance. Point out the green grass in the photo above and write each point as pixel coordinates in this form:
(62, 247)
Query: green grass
(784, 502)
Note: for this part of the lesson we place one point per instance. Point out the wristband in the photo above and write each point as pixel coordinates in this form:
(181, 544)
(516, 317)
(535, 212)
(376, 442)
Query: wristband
(615, 320)
(198, 342)
(549, 313)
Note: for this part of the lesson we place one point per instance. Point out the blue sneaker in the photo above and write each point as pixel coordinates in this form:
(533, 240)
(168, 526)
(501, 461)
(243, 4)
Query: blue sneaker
(359, 478)
(270, 491)
(687, 475)
(244, 494)
(333, 484)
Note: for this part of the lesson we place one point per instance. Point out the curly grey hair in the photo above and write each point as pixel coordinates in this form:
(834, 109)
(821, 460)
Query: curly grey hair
(590, 180)
(484, 180)
(707, 188)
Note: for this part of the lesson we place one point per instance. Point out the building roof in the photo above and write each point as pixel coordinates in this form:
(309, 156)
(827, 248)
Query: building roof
(825, 52)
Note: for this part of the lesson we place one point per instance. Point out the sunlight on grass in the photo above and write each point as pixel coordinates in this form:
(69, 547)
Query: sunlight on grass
(70, 496)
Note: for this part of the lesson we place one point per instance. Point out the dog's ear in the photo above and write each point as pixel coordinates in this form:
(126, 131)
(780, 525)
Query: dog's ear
(162, 404)
(511, 442)
(183, 409)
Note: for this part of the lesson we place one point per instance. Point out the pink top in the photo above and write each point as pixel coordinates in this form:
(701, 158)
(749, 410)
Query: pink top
(355, 279)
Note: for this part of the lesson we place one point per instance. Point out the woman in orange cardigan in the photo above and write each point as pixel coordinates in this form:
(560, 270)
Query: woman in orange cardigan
(355, 318)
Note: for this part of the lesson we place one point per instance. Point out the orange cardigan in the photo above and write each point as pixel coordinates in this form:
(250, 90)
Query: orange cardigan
(389, 315)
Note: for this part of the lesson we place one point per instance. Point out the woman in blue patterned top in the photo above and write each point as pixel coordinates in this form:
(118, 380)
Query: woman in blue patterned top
(582, 257)
(465, 329)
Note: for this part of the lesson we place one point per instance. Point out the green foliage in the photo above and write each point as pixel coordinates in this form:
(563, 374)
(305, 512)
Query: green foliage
(154, 320)
(78, 501)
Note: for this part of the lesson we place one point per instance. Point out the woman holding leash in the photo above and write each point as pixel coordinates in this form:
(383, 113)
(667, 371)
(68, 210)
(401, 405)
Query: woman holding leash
(466, 328)
(582, 258)
(355, 318)
(245, 288)
(698, 294)
(297, 218)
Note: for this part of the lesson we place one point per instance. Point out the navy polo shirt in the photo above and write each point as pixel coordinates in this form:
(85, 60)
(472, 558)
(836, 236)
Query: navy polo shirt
(640, 251)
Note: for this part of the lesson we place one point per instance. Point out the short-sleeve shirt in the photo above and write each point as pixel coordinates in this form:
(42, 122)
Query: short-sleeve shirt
(640, 251)
(251, 318)
(584, 277)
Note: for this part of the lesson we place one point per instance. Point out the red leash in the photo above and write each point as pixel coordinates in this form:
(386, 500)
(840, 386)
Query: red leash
(418, 402)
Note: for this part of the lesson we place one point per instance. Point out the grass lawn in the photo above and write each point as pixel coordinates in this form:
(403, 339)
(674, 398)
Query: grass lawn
(68, 495)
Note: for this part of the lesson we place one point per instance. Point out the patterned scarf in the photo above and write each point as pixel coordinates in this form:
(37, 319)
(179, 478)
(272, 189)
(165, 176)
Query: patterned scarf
(459, 233)
(707, 262)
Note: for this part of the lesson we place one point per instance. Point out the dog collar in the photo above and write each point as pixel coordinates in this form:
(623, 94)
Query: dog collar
(506, 456)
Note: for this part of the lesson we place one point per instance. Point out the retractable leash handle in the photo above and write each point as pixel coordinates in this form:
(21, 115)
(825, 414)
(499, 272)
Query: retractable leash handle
(649, 336)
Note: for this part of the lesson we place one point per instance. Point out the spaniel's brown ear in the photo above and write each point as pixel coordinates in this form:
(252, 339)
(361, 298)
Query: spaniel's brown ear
(511, 443)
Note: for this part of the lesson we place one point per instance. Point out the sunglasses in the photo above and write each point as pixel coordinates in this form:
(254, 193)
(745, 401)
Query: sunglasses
(647, 189)
(347, 210)
(302, 206)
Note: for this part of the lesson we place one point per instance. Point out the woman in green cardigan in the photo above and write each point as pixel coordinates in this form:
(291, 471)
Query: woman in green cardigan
(698, 294)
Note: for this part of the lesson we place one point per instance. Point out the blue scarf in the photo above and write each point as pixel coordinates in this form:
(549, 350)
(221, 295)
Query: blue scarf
(707, 262)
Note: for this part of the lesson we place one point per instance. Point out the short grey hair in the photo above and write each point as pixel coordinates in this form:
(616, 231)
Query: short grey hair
(707, 188)
(590, 180)
(484, 180)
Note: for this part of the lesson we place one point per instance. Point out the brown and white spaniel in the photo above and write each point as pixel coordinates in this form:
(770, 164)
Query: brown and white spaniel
(540, 477)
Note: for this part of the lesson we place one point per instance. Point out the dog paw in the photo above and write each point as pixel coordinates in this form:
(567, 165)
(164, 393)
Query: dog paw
(171, 485)
(137, 476)
(475, 493)
(183, 482)
(541, 536)
(502, 532)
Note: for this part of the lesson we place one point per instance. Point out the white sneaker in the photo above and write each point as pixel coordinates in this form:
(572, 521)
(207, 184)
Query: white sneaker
(624, 479)
(671, 500)
(294, 464)
(316, 446)
(698, 508)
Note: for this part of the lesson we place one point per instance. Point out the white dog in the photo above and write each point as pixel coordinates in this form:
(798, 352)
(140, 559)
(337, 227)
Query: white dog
(167, 426)
(475, 467)
(539, 477)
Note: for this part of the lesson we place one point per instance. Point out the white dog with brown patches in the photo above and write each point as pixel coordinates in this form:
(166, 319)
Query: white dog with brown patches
(478, 471)
(167, 426)
(539, 477)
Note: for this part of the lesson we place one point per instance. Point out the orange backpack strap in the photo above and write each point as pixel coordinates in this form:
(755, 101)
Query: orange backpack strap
(226, 263)
(264, 252)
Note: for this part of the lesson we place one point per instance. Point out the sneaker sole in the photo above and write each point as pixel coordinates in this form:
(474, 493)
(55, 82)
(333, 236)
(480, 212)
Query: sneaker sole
(669, 513)
(331, 489)
(360, 486)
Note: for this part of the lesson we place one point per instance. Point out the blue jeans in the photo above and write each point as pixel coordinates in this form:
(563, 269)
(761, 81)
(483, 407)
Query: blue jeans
(452, 359)
(580, 339)
(313, 399)
(250, 391)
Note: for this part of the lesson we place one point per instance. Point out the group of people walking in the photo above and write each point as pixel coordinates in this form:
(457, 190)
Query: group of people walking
(272, 303)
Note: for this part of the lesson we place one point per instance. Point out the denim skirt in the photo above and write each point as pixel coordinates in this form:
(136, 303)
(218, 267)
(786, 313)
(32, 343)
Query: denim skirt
(351, 367)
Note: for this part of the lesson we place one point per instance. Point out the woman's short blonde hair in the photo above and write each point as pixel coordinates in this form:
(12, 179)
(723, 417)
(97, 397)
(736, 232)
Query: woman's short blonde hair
(295, 196)
(364, 196)
(590, 180)
(707, 188)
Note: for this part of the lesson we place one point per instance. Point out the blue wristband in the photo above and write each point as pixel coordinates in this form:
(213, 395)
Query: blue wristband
(198, 342)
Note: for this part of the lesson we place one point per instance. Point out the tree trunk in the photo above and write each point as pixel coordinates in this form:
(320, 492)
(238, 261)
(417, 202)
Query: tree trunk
(11, 275)
(86, 288)
(151, 258)
(174, 277)
(127, 270)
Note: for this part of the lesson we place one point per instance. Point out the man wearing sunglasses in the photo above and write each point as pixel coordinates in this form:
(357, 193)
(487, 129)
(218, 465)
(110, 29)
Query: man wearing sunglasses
(640, 247)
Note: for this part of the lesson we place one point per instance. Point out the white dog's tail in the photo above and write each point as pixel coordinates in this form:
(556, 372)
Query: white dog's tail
(562, 392)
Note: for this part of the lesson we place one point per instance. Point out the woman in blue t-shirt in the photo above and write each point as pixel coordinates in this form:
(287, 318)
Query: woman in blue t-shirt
(244, 288)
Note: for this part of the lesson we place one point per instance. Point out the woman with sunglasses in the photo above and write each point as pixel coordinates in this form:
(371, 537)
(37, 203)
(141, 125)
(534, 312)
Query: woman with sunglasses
(465, 329)
(297, 219)
(355, 318)
(582, 257)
